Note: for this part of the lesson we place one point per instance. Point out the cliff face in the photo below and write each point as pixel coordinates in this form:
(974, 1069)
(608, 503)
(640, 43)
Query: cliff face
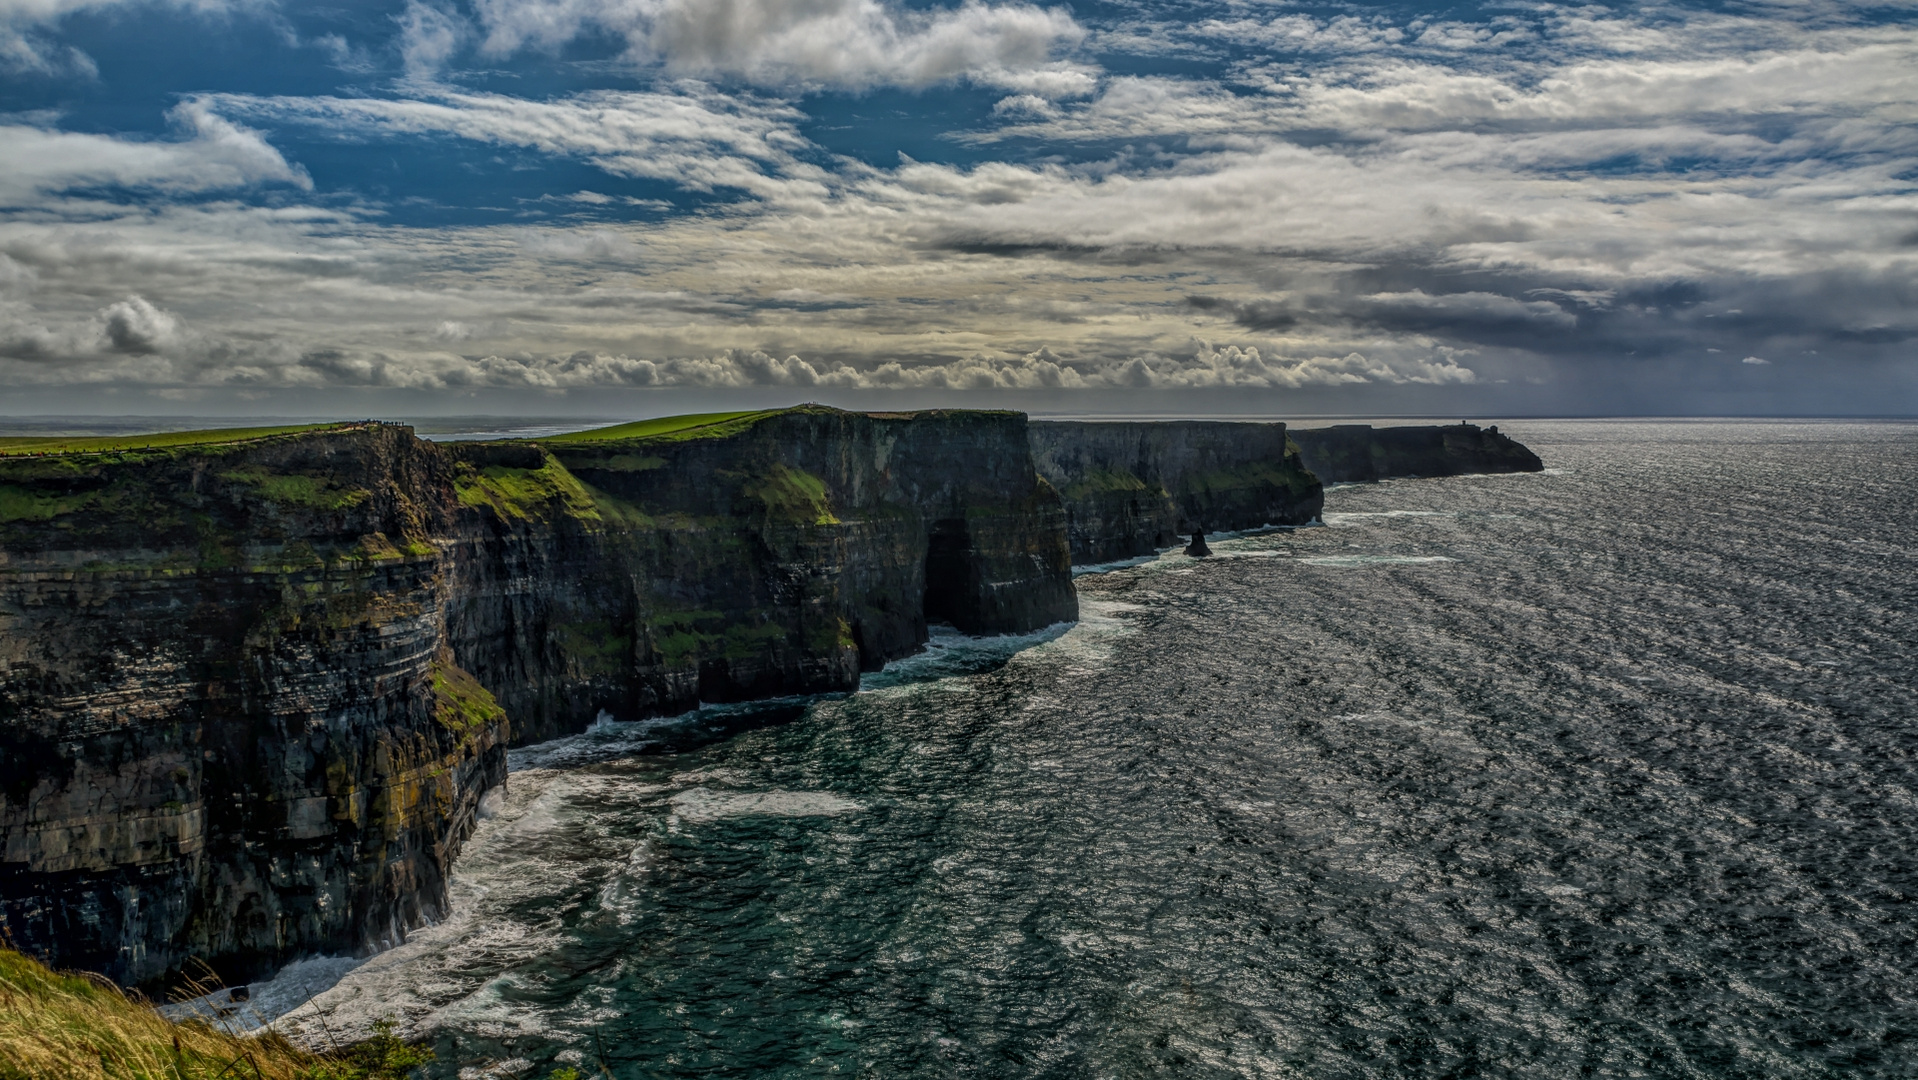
(1131, 488)
(782, 557)
(229, 727)
(1358, 453)
(250, 695)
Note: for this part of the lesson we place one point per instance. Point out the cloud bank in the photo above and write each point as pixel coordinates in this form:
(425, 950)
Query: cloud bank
(1573, 204)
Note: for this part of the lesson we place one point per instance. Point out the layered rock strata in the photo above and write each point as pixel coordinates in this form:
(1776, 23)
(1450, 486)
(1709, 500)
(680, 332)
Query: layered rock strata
(252, 693)
(1360, 453)
(1133, 488)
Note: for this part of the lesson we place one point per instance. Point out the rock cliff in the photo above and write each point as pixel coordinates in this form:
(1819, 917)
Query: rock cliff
(252, 692)
(1135, 487)
(1359, 453)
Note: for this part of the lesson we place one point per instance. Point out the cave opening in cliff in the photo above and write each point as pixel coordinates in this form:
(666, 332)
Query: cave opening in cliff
(949, 573)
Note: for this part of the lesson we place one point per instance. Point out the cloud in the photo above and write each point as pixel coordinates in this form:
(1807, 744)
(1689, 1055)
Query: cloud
(688, 134)
(818, 43)
(215, 155)
(1601, 201)
(430, 35)
(1206, 367)
(135, 326)
(1754, 360)
(23, 49)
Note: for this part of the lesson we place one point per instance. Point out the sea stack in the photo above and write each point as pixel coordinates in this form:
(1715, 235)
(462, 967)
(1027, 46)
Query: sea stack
(1197, 548)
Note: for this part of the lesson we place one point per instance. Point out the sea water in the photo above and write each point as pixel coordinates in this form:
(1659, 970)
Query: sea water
(1606, 771)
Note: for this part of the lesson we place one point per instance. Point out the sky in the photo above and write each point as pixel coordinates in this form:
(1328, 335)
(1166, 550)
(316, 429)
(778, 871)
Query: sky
(1235, 207)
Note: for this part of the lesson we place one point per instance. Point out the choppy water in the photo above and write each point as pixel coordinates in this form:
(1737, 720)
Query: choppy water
(1602, 772)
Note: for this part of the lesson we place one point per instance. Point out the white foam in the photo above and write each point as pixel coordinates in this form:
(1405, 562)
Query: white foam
(705, 804)
(607, 738)
(1375, 560)
(1117, 564)
(949, 653)
(1350, 517)
(294, 985)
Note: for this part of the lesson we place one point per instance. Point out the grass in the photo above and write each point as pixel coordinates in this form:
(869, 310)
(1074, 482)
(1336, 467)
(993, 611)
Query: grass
(58, 1026)
(88, 444)
(460, 704)
(297, 489)
(525, 494)
(83, 1028)
(671, 428)
(1098, 481)
(793, 494)
(27, 504)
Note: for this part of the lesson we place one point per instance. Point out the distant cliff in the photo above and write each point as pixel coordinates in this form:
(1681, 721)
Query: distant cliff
(252, 692)
(1349, 453)
(1131, 488)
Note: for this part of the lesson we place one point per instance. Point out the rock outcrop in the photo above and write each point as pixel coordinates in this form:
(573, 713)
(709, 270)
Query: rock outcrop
(1135, 487)
(230, 726)
(251, 693)
(1360, 453)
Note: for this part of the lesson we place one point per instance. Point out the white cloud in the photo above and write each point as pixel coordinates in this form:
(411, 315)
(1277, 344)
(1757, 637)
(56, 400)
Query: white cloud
(690, 134)
(217, 154)
(24, 51)
(1754, 360)
(430, 35)
(841, 43)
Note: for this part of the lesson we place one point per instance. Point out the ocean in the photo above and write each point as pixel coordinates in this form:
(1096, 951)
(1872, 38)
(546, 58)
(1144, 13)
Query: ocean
(1609, 771)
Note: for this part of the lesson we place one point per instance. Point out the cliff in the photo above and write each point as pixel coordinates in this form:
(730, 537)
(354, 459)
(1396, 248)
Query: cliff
(764, 554)
(1358, 453)
(252, 691)
(1132, 488)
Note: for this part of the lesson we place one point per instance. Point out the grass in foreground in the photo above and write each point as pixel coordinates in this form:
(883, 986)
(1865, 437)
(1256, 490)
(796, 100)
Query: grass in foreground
(690, 426)
(61, 1026)
(84, 444)
(81, 1027)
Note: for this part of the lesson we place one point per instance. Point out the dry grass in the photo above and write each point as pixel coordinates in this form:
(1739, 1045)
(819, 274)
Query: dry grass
(81, 1027)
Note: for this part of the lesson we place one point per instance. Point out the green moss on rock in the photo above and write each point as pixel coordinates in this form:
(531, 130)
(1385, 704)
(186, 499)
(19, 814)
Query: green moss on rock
(791, 494)
(299, 489)
(526, 494)
(460, 704)
(1099, 481)
(28, 504)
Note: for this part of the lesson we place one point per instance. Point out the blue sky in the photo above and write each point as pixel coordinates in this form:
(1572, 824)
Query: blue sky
(633, 206)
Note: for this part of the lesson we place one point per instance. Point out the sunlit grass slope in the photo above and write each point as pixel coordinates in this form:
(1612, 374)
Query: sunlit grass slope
(81, 1027)
(67, 1026)
(60, 444)
(672, 428)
